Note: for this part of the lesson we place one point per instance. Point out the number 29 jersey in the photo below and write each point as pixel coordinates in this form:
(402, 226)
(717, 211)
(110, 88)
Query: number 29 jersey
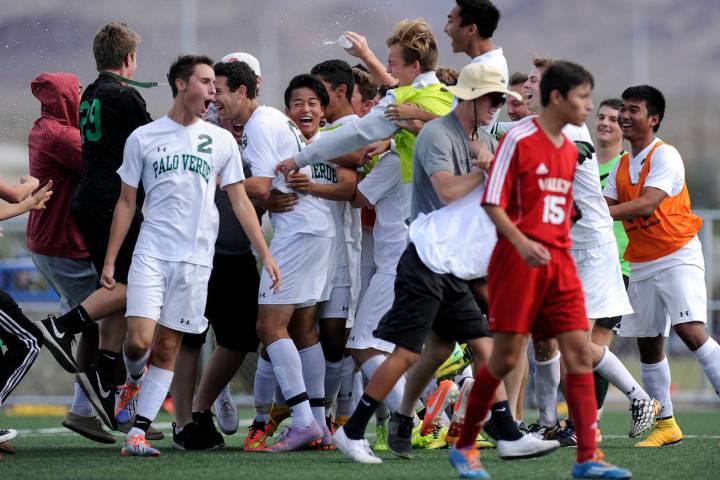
(531, 179)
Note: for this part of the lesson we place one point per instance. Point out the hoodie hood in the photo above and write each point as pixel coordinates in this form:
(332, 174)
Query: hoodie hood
(59, 96)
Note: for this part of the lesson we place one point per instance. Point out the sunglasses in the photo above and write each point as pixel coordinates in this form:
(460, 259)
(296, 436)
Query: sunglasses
(497, 99)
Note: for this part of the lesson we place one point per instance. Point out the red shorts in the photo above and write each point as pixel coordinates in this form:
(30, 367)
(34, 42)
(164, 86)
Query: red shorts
(544, 301)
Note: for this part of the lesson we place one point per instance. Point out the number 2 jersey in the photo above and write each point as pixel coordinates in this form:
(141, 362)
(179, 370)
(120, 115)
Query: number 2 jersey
(109, 112)
(531, 179)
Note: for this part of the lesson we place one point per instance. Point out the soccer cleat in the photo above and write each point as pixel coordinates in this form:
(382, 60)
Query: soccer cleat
(458, 417)
(666, 432)
(381, 441)
(467, 462)
(225, 412)
(295, 438)
(7, 434)
(597, 468)
(100, 395)
(460, 358)
(357, 450)
(88, 427)
(179, 438)
(206, 436)
(278, 413)
(537, 430)
(563, 432)
(418, 440)
(138, 446)
(257, 436)
(193, 437)
(484, 441)
(152, 433)
(401, 435)
(438, 440)
(126, 403)
(444, 395)
(59, 341)
(643, 415)
(326, 442)
(526, 447)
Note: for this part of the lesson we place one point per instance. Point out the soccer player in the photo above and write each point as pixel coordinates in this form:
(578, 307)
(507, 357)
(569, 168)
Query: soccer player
(18, 334)
(595, 254)
(53, 238)
(647, 191)
(517, 109)
(302, 244)
(179, 158)
(533, 285)
(110, 109)
(608, 142)
(235, 337)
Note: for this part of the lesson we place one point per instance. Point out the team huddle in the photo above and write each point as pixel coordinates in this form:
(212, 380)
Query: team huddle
(418, 244)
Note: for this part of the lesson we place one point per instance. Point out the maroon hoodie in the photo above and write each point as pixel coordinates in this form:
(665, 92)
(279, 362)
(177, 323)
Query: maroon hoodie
(55, 154)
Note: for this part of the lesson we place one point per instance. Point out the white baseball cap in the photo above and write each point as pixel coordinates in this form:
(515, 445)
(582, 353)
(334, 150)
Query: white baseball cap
(476, 80)
(251, 60)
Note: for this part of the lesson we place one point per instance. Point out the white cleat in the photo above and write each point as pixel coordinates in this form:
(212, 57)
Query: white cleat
(526, 447)
(357, 450)
(225, 412)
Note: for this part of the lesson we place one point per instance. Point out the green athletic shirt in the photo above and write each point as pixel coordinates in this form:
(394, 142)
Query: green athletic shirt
(620, 235)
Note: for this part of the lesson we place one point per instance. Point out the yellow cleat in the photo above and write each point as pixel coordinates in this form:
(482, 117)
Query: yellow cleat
(417, 440)
(439, 438)
(483, 441)
(460, 358)
(666, 432)
(278, 413)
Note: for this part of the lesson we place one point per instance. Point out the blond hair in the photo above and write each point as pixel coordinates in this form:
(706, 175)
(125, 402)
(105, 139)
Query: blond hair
(112, 44)
(447, 75)
(541, 63)
(417, 42)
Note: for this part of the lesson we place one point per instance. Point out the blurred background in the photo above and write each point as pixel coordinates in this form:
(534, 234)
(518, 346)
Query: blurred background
(671, 46)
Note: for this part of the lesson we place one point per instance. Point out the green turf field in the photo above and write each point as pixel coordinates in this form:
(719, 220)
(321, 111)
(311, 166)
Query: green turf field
(54, 454)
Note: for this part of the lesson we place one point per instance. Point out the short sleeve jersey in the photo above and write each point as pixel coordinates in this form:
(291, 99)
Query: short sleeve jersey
(180, 167)
(531, 179)
(269, 138)
(109, 112)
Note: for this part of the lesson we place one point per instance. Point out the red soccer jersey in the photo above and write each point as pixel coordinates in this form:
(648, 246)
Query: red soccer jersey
(532, 180)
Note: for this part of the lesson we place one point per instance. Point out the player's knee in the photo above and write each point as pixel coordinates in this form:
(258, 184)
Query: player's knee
(403, 357)
(544, 350)
(693, 334)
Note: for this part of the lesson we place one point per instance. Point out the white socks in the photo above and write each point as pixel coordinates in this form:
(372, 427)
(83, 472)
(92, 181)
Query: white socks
(333, 379)
(313, 371)
(547, 381)
(287, 366)
(344, 405)
(81, 405)
(612, 369)
(263, 390)
(709, 357)
(135, 368)
(656, 378)
(153, 392)
(358, 387)
(394, 398)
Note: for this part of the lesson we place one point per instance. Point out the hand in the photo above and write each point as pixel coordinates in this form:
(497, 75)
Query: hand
(30, 181)
(585, 151)
(107, 278)
(412, 126)
(273, 271)
(279, 202)
(483, 156)
(377, 148)
(38, 199)
(535, 254)
(286, 166)
(299, 182)
(406, 111)
(360, 48)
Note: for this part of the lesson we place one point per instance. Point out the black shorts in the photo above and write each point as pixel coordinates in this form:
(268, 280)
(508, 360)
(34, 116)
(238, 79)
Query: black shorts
(426, 301)
(94, 221)
(232, 304)
(613, 323)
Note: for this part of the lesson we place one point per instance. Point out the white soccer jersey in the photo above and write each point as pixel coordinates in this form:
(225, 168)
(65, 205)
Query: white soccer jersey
(383, 188)
(269, 138)
(456, 239)
(596, 225)
(179, 166)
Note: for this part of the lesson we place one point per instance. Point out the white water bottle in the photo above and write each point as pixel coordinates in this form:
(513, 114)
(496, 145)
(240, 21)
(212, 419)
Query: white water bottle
(345, 42)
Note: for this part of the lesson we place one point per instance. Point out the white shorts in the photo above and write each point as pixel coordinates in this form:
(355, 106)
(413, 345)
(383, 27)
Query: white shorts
(338, 306)
(602, 281)
(377, 302)
(171, 293)
(303, 260)
(670, 297)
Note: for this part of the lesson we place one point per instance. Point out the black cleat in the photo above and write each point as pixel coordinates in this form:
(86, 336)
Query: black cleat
(59, 341)
(399, 439)
(100, 395)
(203, 435)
